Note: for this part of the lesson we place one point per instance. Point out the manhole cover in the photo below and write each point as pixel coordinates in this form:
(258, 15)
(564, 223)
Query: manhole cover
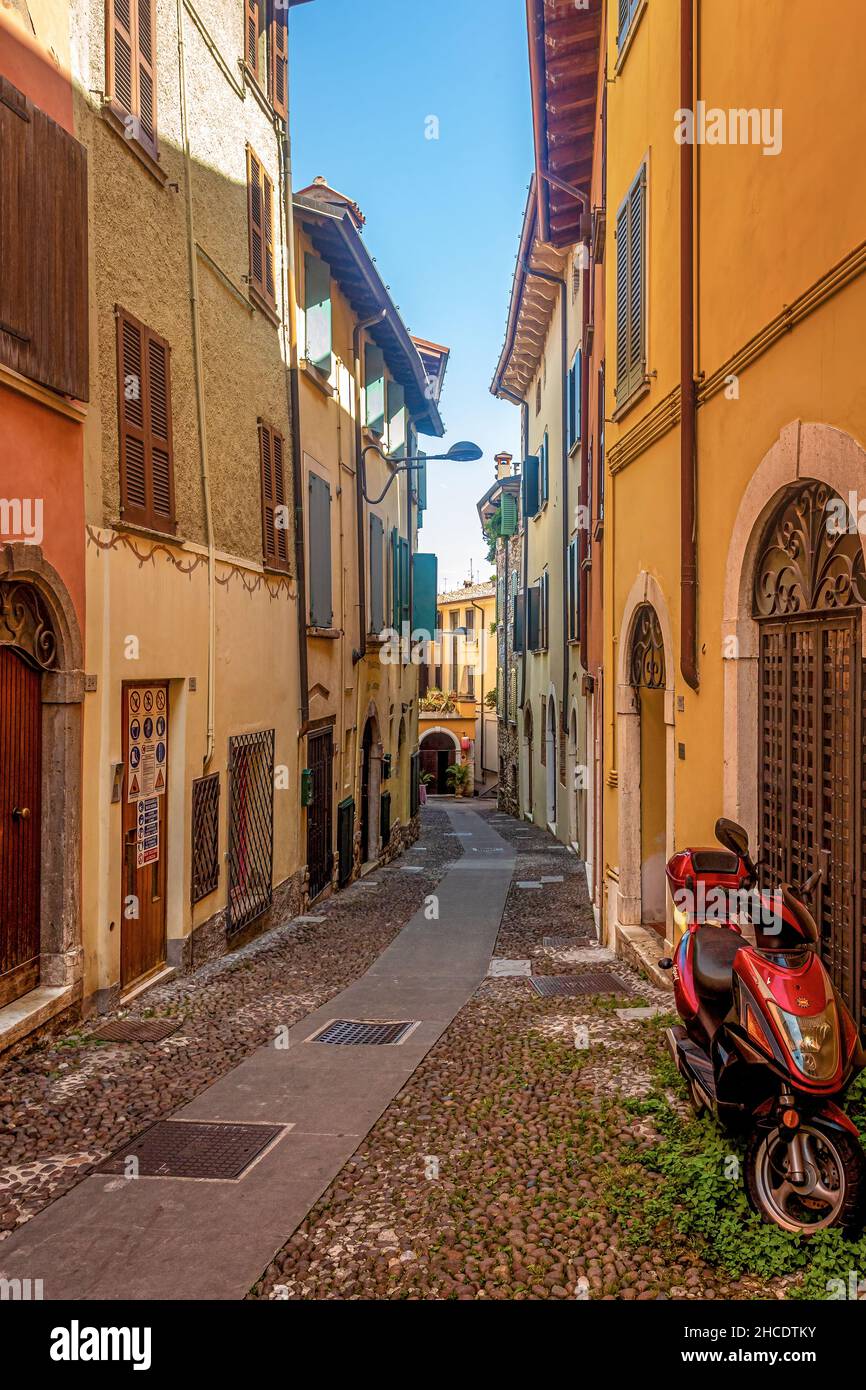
(187, 1149)
(592, 982)
(137, 1030)
(348, 1032)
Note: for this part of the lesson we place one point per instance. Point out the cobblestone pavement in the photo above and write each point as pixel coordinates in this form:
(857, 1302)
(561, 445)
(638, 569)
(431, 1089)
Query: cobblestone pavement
(509, 1165)
(72, 1101)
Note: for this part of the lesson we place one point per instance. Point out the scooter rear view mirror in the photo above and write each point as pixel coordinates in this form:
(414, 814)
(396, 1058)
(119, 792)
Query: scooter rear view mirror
(732, 836)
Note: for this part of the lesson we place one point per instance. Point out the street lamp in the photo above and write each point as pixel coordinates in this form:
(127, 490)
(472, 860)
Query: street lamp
(464, 451)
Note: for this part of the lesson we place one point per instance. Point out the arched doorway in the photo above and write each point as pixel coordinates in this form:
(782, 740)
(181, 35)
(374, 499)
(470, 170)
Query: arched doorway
(550, 760)
(526, 764)
(439, 749)
(808, 592)
(647, 676)
(572, 779)
(41, 688)
(371, 787)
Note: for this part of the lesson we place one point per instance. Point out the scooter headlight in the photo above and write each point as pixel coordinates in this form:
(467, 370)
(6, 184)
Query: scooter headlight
(813, 1041)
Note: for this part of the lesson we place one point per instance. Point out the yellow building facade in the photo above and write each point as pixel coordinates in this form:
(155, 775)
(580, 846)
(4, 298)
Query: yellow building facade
(736, 424)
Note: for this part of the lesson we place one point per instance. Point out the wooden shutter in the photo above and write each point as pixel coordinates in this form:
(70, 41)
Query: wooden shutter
(260, 209)
(279, 54)
(130, 32)
(377, 535)
(251, 35)
(374, 389)
(636, 269)
(121, 54)
(600, 434)
(396, 419)
(424, 581)
(275, 532)
(404, 580)
(395, 577)
(146, 59)
(545, 468)
(531, 499)
(622, 315)
(144, 425)
(421, 484)
(321, 602)
(317, 313)
(533, 617)
(43, 248)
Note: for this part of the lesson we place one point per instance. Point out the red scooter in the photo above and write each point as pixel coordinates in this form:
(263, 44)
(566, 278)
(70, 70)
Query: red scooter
(767, 1044)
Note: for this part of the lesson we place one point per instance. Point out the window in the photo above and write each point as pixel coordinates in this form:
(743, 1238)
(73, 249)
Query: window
(130, 66)
(260, 212)
(275, 513)
(266, 49)
(469, 622)
(631, 290)
(321, 602)
(575, 378)
(601, 442)
(538, 397)
(533, 618)
(317, 313)
(399, 579)
(374, 389)
(437, 652)
(470, 682)
(627, 11)
(377, 575)
(144, 425)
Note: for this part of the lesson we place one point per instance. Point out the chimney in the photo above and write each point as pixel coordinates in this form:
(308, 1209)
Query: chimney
(503, 466)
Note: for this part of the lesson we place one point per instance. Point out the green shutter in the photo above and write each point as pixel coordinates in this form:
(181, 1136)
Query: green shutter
(424, 581)
(377, 615)
(395, 577)
(531, 471)
(317, 311)
(404, 581)
(421, 484)
(508, 515)
(545, 468)
(396, 419)
(319, 566)
(374, 389)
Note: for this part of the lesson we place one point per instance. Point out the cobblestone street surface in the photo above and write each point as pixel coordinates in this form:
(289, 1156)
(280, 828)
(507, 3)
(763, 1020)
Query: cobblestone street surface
(72, 1102)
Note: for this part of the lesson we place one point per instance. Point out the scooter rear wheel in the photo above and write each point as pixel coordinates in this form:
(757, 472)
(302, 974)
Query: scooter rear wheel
(834, 1193)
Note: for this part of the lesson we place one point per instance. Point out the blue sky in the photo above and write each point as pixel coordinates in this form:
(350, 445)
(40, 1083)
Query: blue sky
(443, 215)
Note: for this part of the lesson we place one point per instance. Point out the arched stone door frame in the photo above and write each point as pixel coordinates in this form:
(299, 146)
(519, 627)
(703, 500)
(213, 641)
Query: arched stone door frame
(801, 452)
(526, 753)
(552, 808)
(374, 782)
(645, 590)
(62, 693)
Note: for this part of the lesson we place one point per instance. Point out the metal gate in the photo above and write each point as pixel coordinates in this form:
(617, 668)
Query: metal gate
(251, 827)
(20, 824)
(320, 857)
(809, 584)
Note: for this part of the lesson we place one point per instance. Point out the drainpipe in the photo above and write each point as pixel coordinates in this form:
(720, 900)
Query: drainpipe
(524, 449)
(563, 333)
(199, 396)
(583, 536)
(357, 334)
(688, 423)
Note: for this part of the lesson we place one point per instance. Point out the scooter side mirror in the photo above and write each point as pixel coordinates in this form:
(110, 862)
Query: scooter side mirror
(732, 836)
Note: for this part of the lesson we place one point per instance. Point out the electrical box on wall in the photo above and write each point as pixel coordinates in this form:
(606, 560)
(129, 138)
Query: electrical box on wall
(306, 787)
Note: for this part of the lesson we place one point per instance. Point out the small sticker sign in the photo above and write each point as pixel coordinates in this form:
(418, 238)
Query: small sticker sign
(148, 744)
(147, 832)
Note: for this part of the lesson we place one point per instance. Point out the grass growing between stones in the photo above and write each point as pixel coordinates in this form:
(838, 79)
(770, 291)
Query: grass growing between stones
(686, 1189)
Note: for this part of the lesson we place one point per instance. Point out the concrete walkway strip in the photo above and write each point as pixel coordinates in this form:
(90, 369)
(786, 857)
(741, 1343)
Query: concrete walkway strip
(191, 1238)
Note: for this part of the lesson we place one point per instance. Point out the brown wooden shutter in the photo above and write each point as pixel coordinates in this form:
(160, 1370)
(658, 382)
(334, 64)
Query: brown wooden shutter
(144, 425)
(146, 56)
(121, 54)
(251, 35)
(279, 47)
(260, 203)
(275, 539)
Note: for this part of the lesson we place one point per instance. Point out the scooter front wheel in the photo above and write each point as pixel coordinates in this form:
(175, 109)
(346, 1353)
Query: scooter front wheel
(829, 1191)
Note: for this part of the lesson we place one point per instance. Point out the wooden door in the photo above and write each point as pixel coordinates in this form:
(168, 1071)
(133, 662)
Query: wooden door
(145, 738)
(810, 770)
(366, 754)
(20, 824)
(320, 858)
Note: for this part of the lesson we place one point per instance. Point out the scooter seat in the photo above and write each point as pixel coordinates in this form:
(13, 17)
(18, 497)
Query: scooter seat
(713, 960)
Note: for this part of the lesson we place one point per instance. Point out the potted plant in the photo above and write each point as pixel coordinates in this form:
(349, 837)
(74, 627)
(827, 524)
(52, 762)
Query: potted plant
(459, 778)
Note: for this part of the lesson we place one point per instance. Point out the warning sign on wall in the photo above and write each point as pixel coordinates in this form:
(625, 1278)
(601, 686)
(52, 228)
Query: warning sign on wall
(147, 832)
(148, 744)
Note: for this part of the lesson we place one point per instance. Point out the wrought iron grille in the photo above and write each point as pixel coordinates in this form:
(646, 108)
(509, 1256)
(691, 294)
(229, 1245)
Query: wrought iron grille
(251, 827)
(205, 835)
(811, 558)
(647, 650)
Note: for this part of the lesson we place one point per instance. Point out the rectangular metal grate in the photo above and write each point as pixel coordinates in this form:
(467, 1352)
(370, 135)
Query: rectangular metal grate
(205, 835)
(137, 1030)
(251, 826)
(563, 943)
(570, 986)
(349, 1032)
(183, 1149)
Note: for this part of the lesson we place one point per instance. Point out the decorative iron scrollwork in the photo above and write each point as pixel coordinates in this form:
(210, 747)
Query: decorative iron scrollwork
(25, 624)
(647, 667)
(811, 558)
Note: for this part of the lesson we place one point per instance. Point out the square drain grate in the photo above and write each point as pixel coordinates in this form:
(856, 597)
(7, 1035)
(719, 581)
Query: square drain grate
(570, 986)
(188, 1149)
(137, 1030)
(349, 1032)
(563, 943)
